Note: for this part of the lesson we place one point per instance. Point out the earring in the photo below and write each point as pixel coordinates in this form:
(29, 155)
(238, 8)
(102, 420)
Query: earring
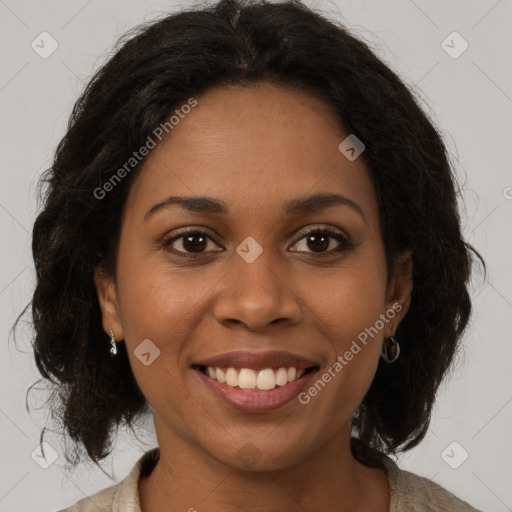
(390, 349)
(113, 350)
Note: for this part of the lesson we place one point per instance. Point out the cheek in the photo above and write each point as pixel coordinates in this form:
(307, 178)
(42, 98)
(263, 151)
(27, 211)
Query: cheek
(339, 387)
(349, 300)
(166, 306)
(155, 296)
(348, 316)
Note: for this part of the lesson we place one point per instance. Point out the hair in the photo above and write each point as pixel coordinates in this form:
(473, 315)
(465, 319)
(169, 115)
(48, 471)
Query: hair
(155, 68)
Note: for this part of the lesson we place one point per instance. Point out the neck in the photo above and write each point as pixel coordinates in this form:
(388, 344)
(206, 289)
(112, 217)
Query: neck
(188, 478)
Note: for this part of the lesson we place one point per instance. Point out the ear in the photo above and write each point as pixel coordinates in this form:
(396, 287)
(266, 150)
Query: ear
(107, 298)
(400, 287)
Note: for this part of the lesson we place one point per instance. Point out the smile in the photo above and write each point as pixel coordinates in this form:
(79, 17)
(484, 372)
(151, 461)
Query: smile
(252, 390)
(247, 378)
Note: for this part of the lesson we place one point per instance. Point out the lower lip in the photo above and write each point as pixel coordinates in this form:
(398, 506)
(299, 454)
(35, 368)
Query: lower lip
(256, 401)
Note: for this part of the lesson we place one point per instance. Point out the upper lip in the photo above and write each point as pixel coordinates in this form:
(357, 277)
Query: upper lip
(257, 360)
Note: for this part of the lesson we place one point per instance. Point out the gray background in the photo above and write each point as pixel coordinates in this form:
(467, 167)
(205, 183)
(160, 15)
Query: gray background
(469, 97)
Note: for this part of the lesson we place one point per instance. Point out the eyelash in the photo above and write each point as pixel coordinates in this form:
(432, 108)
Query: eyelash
(346, 243)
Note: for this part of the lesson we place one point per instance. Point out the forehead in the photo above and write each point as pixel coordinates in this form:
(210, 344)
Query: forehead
(253, 146)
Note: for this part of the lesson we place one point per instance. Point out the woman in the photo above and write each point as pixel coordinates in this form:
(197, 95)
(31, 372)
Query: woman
(250, 232)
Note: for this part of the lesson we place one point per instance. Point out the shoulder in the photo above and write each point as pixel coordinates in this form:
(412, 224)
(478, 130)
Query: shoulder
(120, 497)
(413, 492)
(102, 501)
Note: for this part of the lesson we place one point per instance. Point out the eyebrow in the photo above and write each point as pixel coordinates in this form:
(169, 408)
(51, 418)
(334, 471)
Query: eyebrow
(309, 204)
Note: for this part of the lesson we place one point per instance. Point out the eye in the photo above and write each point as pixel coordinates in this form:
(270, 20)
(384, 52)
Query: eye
(192, 242)
(319, 240)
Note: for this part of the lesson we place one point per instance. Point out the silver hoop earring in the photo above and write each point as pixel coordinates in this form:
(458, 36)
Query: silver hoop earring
(113, 349)
(390, 350)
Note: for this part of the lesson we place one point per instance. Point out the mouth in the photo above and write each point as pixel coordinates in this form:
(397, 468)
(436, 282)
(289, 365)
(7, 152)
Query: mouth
(249, 379)
(255, 390)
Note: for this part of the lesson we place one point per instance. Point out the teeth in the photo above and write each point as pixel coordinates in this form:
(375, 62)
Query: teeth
(266, 379)
(231, 377)
(246, 378)
(219, 375)
(281, 376)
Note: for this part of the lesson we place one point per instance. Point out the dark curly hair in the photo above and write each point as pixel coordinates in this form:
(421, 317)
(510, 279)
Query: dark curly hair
(152, 71)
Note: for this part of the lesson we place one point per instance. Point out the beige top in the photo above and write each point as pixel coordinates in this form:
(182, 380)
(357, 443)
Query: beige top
(409, 492)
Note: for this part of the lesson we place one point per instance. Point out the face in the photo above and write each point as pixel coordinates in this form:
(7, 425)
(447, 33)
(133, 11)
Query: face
(271, 269)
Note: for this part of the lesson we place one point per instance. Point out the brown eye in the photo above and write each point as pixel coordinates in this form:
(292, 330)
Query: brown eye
(192, 242)
(320, 241)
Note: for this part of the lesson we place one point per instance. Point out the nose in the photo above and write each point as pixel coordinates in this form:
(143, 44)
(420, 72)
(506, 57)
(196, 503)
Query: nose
(257, 295)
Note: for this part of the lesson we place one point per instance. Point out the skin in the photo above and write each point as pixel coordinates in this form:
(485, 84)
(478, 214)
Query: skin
(253, 148)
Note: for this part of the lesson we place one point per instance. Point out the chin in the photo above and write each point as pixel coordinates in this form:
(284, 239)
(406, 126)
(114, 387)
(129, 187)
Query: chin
(258, 454)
